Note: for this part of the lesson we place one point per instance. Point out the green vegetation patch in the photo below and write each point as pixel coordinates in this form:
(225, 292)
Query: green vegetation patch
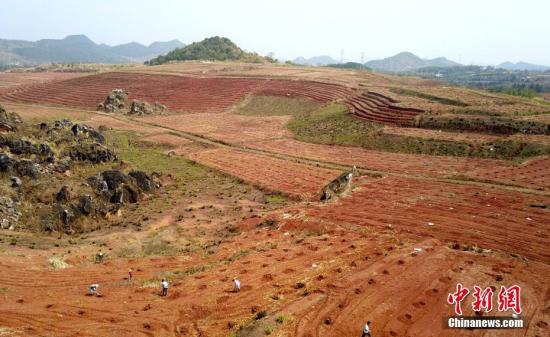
(149, 158)
(333, 125)
(212, 48)
(276, 106)
(491, 124)
(350, 65)
(442, 100)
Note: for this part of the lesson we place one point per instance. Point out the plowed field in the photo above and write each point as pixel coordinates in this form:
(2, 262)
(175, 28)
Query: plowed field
(181, 93)
(297, 180)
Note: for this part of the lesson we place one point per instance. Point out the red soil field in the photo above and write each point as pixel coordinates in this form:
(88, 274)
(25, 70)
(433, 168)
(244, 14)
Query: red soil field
(388, 252)
(360, 269)
(379, 108)
(440, 166)
(14, 79)
(167, 139)
(318, 91)
(176, 92)
(229, 128)
(404, 295)
(488, 218)
(466, 137)
(31, 112)
(183, 93)
(98, 120)
(299, 181)
(534, 173)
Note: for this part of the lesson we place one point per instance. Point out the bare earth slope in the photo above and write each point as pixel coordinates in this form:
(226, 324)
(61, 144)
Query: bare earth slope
(389, 251)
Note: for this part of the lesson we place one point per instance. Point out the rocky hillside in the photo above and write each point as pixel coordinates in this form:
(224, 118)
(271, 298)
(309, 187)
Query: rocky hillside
(63, 177)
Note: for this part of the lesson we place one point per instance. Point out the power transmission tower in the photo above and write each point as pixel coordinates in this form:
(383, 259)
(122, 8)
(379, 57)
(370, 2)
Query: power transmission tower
(342, 56)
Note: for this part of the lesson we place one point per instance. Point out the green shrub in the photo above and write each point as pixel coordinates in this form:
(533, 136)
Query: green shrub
(281, 319)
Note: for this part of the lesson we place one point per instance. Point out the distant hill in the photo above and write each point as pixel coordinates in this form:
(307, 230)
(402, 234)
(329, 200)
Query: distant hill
(78, 49)
(315, 61)
(406, 61)
(522, 66)
(213, 48)
(349, 65)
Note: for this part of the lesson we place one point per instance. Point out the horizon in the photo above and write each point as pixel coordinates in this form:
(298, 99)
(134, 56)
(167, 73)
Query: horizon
(331, 29)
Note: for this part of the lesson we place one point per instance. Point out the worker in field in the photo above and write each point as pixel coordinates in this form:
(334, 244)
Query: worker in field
(130, 274)
(236, 285)
(100, 256)
(366, 330)
(164, 287)
(94, 289)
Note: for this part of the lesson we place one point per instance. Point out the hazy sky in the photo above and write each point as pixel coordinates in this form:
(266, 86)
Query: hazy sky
(470, 31)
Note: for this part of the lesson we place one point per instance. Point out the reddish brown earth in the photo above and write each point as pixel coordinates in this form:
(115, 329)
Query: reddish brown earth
(534, 173)
(449, 212)
(176, 92)
(184, 93)
(465, 137)
(98, 120)
(167, 139)
(357, 268)
(14, 79)
(34, 113)
(376, 107)
(297, 180)
(440, 166)
(230, 128)
(388, 252)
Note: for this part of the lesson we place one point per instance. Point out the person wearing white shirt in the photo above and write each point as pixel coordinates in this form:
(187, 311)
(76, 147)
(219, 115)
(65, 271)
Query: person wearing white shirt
(366, 330)
(164, 286)
(236, 285)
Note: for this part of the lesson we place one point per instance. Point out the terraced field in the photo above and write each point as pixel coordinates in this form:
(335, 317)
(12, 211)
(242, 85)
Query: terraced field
(176, 92)
(379, 108)
(15, 79)
(318, 91)
(181, 93)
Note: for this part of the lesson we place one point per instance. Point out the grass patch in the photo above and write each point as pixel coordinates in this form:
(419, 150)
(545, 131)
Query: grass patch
(432, 98)
(57, 262)
(281, 319)
(276, 199)
(491, 124)
(148, 158)
(276, 106)
(333, 125)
